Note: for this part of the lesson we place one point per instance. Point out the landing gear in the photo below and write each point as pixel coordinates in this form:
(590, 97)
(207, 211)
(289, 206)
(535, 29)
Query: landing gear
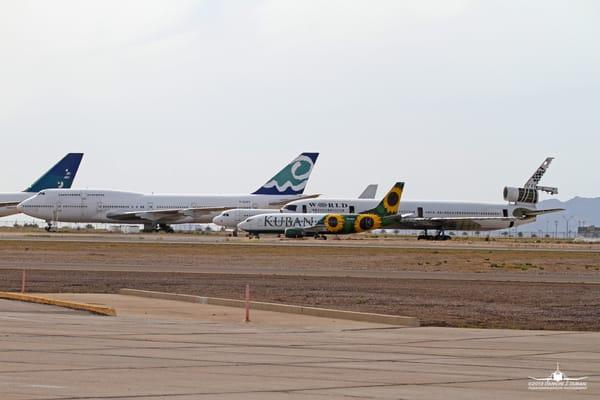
(149, 228)
(253, 235)
(50, 227)
(321, 237)
(166, 228)
(235, 233)
(440, 235)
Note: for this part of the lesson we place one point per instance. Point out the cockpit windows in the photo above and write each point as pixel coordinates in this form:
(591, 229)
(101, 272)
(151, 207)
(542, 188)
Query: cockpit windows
(291, 207)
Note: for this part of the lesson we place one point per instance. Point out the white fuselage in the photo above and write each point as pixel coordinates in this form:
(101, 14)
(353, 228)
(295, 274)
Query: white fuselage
(97, 206)
(276, 223)
(12, 198)
(231, 218)
(417, 209)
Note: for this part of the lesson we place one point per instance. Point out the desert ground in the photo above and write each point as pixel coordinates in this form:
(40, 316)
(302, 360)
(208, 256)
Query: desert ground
(499, 284)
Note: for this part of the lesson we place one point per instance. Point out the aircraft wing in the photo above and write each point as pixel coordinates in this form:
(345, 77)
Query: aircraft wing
(9, 203)
(166, 215)
(282, 203)
(467, 223)
(451, 223)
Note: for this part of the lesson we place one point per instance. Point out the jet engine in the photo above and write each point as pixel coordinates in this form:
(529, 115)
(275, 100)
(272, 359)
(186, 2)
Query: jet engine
(520, 195)
(294, 233)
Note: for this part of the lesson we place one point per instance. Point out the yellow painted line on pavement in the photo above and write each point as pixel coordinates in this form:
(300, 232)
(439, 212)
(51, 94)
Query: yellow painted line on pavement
(96, 309)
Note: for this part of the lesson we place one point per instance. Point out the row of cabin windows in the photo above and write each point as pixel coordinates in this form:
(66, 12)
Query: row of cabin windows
(477, 213)
(79, 194)
(107, 206)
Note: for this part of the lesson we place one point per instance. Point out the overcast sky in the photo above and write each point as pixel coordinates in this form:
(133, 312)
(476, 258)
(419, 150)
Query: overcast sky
(458, 98)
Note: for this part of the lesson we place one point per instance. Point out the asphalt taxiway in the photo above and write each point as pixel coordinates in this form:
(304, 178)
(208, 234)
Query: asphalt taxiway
(160, 349)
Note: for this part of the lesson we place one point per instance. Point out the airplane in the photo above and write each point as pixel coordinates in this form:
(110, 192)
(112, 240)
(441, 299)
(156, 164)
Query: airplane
(558, 376)
(157, 211)
(61, 175)
(318, 225)
(231, 218)
(441, 216)
(370, 192)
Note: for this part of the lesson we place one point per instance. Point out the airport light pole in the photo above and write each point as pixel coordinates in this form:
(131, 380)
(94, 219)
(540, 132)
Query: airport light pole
(555, 229)
(567, 233)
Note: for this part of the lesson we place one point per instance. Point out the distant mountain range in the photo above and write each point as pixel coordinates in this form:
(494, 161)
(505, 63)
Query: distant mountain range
(580, 211)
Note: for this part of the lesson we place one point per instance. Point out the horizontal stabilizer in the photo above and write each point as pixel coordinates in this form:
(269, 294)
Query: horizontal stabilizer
(528, 213)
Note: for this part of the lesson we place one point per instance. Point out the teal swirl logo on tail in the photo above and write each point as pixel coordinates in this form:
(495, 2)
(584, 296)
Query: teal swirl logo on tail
(293, 178)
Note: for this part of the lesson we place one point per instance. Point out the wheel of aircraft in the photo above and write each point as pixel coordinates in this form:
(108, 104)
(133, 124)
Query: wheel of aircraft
(440, 235)
(50, 227)
(166, 228)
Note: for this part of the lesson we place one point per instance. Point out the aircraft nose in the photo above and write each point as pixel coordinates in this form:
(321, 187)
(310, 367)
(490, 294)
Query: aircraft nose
(21, 205)
(217, 220)
(242, 225)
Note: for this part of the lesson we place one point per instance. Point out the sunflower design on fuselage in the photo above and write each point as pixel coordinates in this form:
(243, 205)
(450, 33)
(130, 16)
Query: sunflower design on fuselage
(367, 222)
(334, 223)
(391, 202)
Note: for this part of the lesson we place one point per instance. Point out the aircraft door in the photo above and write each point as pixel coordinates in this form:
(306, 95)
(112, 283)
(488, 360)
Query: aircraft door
(304, 209)
(420, 212)
(99, 207)
(57, 211)
(351, 209)
(150, 205)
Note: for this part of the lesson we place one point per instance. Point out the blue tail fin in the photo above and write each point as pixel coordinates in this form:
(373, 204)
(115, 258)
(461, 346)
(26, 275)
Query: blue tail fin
(293, 178)
(59, 176)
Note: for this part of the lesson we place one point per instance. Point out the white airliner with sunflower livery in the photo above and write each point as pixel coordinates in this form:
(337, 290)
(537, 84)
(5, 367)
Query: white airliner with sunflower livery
(441, 216)
(231, 218)
(296, 225)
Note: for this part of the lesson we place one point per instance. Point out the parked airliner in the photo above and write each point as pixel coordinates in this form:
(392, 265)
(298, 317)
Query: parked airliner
(61, 175)
(298, 225)
(231, 218)
(441, 216)
(158, 211)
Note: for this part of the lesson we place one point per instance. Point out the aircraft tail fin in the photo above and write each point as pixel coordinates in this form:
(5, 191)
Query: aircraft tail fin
(61, 175)
(533, 182)
(292, 179)
(370, 192)
(529, 193)
(390, 204)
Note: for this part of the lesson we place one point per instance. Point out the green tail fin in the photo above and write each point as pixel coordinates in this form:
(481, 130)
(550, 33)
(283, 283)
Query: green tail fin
(390, 204)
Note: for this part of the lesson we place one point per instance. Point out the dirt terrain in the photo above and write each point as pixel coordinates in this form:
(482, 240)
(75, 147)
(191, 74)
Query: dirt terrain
(279, 274)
